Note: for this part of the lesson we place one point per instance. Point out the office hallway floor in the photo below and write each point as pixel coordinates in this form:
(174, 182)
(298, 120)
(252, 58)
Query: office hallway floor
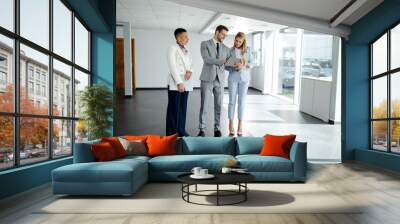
(144, 113)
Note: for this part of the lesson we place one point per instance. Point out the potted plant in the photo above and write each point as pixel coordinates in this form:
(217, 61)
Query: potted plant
(96, 103)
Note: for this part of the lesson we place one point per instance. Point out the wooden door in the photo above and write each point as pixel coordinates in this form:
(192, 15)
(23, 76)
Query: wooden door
(120, 65)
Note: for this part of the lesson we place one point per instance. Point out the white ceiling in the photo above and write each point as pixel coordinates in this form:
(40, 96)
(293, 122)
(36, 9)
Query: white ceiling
(160, 14)
(237, 23)
(248, 15)
(320, 9)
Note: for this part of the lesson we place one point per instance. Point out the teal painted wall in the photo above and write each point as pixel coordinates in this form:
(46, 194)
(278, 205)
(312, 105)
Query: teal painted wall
(103, 52)
(24, 178)
(100, 16)
(355, 126)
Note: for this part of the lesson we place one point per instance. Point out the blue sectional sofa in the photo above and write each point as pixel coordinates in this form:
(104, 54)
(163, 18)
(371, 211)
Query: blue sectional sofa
(125, 176)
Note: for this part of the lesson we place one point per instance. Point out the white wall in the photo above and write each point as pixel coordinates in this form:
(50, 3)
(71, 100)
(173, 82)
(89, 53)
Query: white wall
(151, 53)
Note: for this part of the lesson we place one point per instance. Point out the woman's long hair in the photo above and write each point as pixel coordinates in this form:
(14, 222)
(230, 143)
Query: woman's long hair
(242, 48)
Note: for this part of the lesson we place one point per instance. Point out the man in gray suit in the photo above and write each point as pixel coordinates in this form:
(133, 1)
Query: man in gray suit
(214, 54)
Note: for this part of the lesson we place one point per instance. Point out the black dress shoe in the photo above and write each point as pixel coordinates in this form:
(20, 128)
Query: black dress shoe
(217, 133)
(201, 134)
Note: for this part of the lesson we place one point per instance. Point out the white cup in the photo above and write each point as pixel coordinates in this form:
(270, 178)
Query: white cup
(226, 170)
(203, 172)
(196, 171)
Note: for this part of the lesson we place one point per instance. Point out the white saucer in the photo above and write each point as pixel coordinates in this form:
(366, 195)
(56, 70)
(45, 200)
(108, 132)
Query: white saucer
(208, 176)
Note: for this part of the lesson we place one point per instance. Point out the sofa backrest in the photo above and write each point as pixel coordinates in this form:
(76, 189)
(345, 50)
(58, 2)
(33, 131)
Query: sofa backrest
(207, 145)
(249, 145)
(83, 152)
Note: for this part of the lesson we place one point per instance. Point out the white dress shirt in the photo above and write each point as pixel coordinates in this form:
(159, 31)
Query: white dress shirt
(178, 63)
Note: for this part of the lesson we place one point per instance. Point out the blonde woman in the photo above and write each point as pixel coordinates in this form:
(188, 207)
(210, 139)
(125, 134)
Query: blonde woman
(238, 82)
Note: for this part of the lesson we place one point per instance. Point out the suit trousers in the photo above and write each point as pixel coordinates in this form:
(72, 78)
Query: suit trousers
(176, 112)
(208, 89)
(237, 91)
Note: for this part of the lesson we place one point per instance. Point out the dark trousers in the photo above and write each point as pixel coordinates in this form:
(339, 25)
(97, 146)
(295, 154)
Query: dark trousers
(176, 112)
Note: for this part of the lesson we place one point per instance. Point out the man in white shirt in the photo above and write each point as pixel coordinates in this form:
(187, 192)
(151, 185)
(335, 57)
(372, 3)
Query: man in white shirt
(179, 83)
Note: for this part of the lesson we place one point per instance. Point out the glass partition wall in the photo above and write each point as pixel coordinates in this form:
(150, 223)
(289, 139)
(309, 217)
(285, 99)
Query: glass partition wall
(296, 54)
(44, 63)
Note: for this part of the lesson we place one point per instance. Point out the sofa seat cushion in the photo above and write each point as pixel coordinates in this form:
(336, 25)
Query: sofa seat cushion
(113, 171)
(185, 163)
(257, 163)
(133, 157)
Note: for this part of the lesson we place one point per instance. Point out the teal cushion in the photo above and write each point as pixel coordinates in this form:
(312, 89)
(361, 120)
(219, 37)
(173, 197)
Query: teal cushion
(185, 163)
(208, 145)
(257, 163)
(83, 152)
(111, 171)
(249, 145)
(133, 158)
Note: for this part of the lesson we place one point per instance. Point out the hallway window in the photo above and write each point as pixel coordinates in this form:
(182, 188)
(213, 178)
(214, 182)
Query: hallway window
(385, 95)
(257, 49)
(40, 123)
(317, 55)
(287, 62)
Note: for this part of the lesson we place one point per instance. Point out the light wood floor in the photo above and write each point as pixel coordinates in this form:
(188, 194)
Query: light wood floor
(377, 188)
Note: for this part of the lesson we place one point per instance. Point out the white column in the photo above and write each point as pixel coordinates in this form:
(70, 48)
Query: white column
(297, 73)
(275, 62)
(269, 61)
(335, 101)
(127, 58)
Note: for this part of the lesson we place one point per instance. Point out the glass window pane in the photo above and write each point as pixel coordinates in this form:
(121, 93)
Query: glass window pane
(257, 49)
(395, 95)
(7, 14)
(34, 72)
(62, 89)
(379, 98)
(81, 81)
(62, 138)
(81, 45)
(81, 131)
(6, 74)
(379, 55)
(6, 142)
(379, 135)
(317, 55)
(33, 139)
(395, 47)
(35, 21)
(62, 29)
(395, 136)
(287, 62)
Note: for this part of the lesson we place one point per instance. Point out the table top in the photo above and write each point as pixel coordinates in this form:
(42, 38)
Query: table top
(220, 178)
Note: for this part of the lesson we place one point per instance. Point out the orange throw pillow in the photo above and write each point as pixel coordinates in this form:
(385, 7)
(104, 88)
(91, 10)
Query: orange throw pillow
(161, 145)
(135, 137)
(275, 145)
(116, 145)
(103, 152)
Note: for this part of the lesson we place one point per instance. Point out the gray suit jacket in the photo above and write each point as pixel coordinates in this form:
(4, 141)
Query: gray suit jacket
(213, 66)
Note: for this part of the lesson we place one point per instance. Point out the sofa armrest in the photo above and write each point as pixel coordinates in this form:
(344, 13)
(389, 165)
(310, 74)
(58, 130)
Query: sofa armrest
(298, 155)
(83, 152)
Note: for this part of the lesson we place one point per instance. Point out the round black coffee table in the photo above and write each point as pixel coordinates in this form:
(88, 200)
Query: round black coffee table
(238, 179)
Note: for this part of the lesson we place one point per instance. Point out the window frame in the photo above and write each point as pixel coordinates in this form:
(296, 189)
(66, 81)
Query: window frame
(16, 114)
(388, 74)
